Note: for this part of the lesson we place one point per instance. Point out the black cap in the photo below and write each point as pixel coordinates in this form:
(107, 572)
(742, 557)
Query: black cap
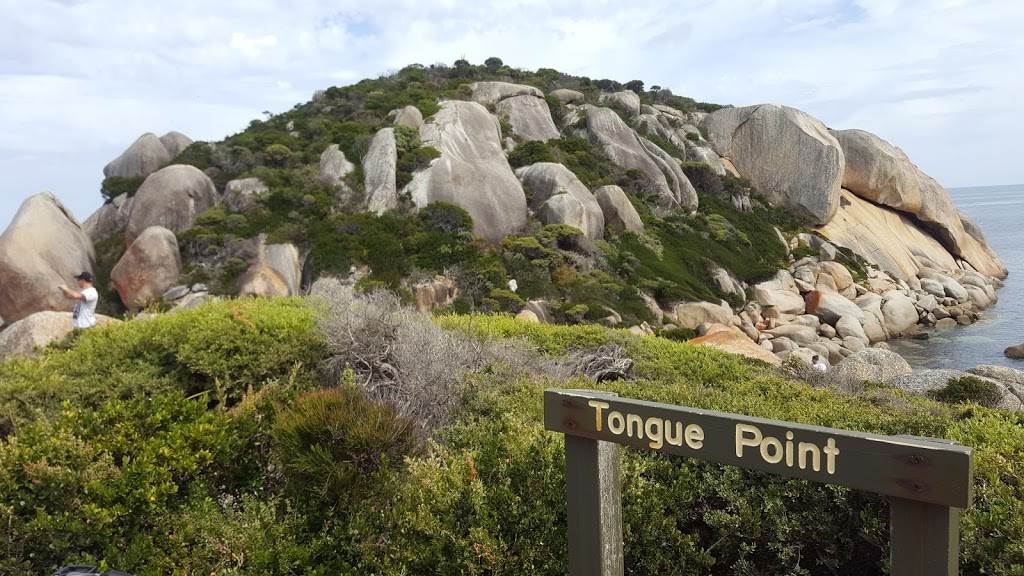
(87, 276)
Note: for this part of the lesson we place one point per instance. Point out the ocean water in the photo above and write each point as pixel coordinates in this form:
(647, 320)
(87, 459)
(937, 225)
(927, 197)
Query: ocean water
(999, 211)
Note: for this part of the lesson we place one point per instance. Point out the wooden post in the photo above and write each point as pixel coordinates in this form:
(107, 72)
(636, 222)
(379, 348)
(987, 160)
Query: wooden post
(594, 499)
(924, 538)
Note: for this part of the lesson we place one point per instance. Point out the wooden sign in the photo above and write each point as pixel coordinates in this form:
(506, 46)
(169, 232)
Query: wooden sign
(927, 479)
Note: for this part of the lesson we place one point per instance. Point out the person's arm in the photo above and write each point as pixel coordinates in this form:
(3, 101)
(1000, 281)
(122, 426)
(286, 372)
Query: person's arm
(71, 294)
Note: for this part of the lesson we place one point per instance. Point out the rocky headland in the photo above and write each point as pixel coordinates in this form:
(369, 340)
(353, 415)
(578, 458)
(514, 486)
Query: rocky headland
(882, 251)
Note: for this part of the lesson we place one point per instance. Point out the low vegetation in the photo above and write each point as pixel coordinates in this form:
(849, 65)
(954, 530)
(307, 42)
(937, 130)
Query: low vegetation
(275, 437)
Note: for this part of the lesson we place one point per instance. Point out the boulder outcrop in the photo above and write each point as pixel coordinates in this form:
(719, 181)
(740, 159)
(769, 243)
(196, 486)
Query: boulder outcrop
(566, 96)
(276, 272)
(175, 143)
(883, 174)
(145, 156)
(110, 219)
(334, 167)
(171, 198)
(409, 116)
(472, 171)
(548, 181)
(788, 155)
(628, 100)
(43, 247)
(380, 167)
(494, 92)
(241, 195)
(37, 331)
(529, 116)
(619, 212)
(148, 268)
(869, 365)
(627, 151)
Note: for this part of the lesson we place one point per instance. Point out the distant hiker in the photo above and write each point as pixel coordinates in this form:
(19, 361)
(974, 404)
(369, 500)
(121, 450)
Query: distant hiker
(84, 315)
(817, 364)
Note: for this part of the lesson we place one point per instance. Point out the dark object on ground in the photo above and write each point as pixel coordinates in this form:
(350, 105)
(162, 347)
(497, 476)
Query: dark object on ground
(918, 336)
(86, 570)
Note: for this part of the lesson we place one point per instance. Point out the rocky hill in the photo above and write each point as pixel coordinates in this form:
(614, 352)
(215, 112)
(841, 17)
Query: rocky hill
(558, 198)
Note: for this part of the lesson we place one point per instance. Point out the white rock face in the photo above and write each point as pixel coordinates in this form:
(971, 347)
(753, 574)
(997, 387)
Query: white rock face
(619, 212)
(175, 143)
(494, 92)
(547, 180)
(150, 266)
(380, 168)
(171, 198)
(566, 96)
(145, 156)
(472, 171)
(43, 247)
(627, 99)
(788, 155)
(334, 167)
(409, 116)
(885, 238)
(882, 173)
(529, 116)
(627, 150)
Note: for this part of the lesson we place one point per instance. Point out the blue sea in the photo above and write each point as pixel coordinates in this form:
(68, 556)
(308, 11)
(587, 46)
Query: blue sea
(999, 211)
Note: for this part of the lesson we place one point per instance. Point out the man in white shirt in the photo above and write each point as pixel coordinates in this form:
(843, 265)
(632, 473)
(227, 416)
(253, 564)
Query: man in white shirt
(84, 315)
(817, 364)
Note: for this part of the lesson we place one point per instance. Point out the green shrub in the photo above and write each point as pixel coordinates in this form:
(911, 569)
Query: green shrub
(277, 155)
(530, 152)
(332, 442)
(114, 186)
(968, 389)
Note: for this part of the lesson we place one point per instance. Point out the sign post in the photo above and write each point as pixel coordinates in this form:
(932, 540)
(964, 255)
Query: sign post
(927, 480)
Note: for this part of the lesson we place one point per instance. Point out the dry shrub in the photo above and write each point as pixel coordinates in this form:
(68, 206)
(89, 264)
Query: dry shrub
(399, 355)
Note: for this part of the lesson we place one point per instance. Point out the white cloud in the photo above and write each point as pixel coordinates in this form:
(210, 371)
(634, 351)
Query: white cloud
(79, 81)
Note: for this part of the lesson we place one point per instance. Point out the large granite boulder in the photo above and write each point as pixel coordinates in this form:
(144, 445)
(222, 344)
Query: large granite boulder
(1014, 352)
(175, 143)
(899, 312)
(788, 155)
(472, 171)
(868, 365)
(148, 268)
(171, 198)
(890, 240)
(241, 195)
(780, 293)
(39, 330)
(529, 116)
(110, 219)
(547, 180)
(627, 100)
(276, 272)
(831, 306)
(145, 156)
(693, 314)
(566, 96)
(493, 92)
(380, 167)
(628, 151)
(334, 167)
(735, 342)
(436, 293)
(619, 212)
(43, 247)
(883, 174)
(409, 116)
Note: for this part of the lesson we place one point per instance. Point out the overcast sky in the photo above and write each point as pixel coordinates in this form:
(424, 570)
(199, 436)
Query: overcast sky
(80, 80)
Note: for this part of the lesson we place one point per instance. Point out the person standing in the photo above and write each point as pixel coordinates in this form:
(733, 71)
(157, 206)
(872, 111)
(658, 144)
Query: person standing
(817, 364)
(85, 298)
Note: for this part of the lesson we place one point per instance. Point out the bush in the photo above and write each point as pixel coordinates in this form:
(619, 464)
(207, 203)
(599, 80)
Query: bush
(114, 186)
(332, 443)
(968, 389)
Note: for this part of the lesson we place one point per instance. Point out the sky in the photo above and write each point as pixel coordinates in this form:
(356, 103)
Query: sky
(80, 80)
